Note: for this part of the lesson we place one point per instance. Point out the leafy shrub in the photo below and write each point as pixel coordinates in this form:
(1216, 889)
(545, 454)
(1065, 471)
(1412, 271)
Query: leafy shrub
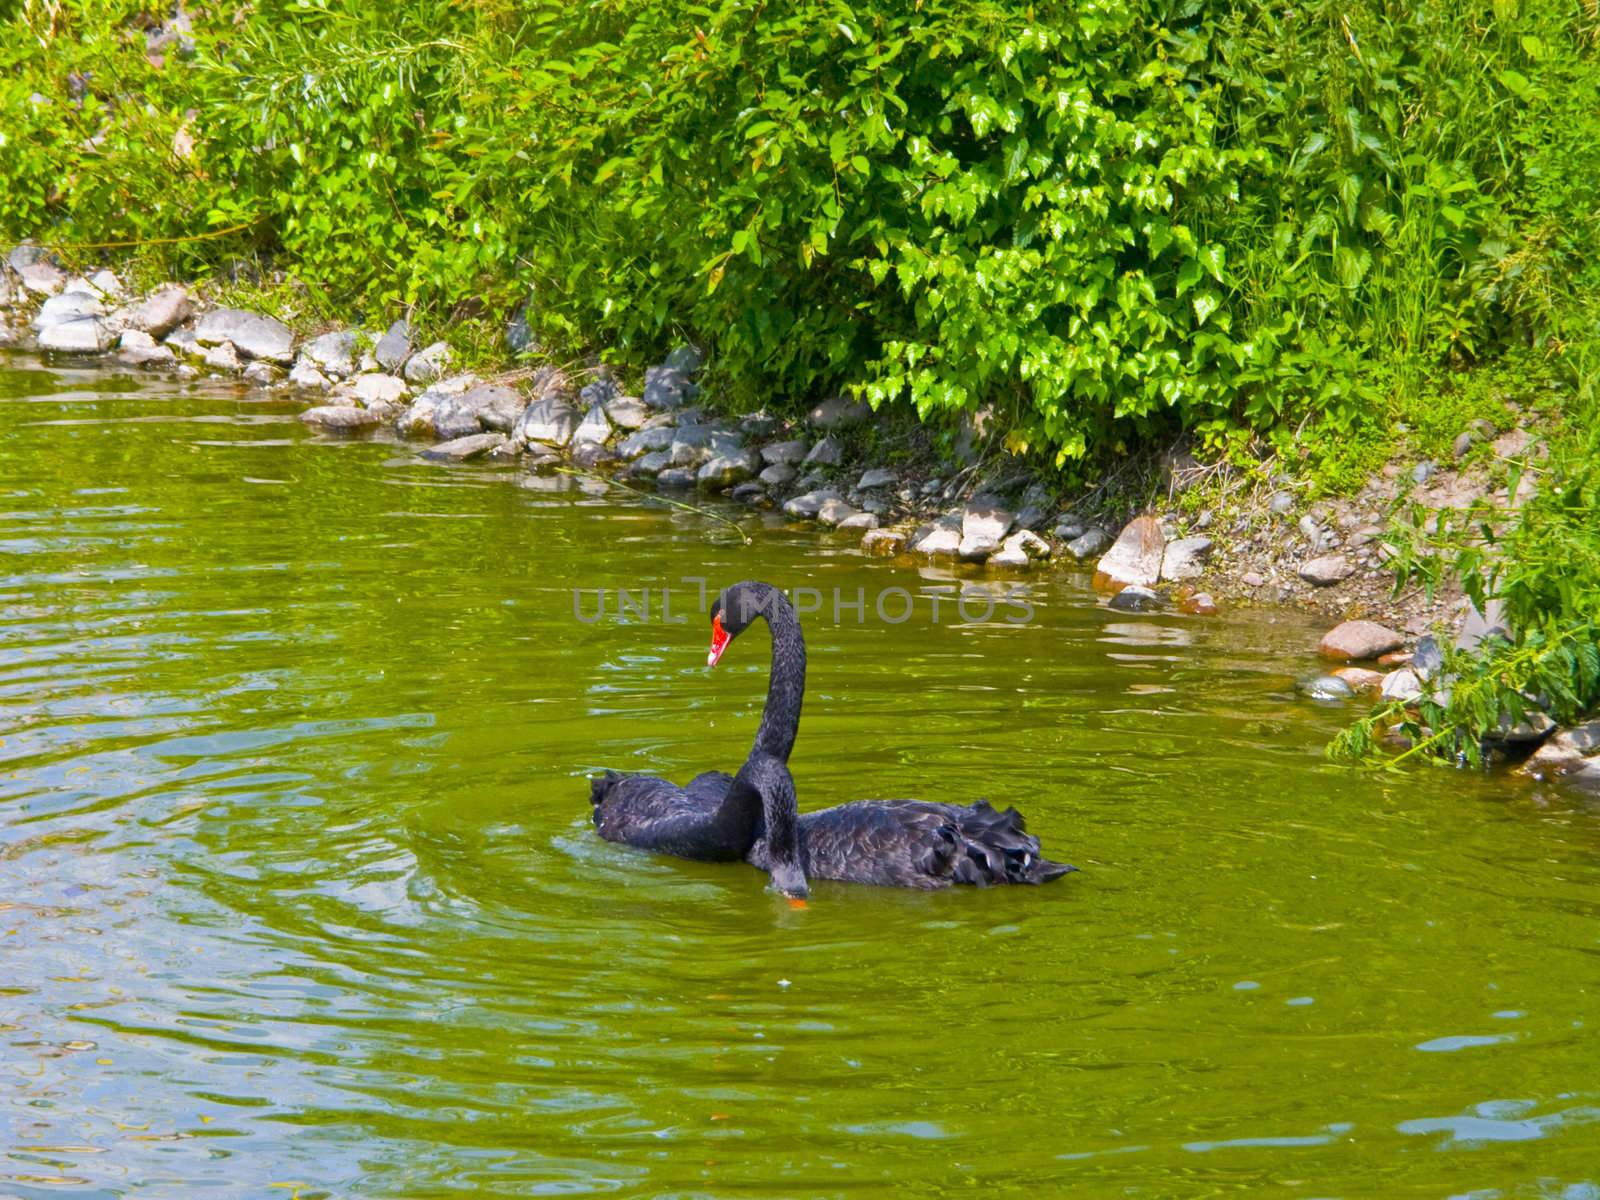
(1108, 218)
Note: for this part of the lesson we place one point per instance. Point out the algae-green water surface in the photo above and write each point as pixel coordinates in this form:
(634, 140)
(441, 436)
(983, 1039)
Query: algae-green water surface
(299, 894)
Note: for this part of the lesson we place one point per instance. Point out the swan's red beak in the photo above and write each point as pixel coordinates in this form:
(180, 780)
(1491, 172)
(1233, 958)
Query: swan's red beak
(719, 640)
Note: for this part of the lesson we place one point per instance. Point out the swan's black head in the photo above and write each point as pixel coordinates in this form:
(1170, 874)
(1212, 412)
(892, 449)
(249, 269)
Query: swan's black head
(733, 611)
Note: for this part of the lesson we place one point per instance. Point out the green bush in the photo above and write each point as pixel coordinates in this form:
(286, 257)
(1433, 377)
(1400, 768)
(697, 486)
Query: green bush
(1108, 218)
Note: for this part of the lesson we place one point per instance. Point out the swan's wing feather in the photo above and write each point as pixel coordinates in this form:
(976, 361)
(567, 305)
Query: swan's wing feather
(655, 814)
(923, 844)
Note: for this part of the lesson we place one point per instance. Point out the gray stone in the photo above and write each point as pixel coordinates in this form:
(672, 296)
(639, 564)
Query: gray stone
(1402, 685)
(463, 448)
(1310, 530)
(685, 360)
(182, 342)
(595, 427)
(305, 375)
(749, 492)
(427, 365)
(519, 333)
(627, 412)
(1088, 544)
(496, 406)
(221, 357)
(939, 540)
(758, 425)
(1252, 579)
(453, 419)
(725, 470)
(1326, 687)
(778, 474)
(592, 454)
(1031, 517)
(1569, 752)
(84, 335)
(333, 353)
(42, 278)
(1282, 503)
(1028, 543)
(162, 311)
(876, 478)
(1068, 530)
(1478, 626)
(137, 348)
(983, 524)
(341, 417)
(808, 505)
(826, 453)
(68, 306)
(860, 520)
(1464, 443)
(1427, 658)
(656, 439)
(834, 511)
(1134, 598)
(648, 466)
(602, 389)
(252, 334)
(676, 477)
(875, 504)
(394, 347)
(784, 453)
(1327, 570)
(665, 387)
(1422, 472)
(262, 374)
(1135, 558)
(1185, 558)
(1357, 640)
(550, 419)
(883, 542)
(373, 389)
(838, 412)
(696, 444)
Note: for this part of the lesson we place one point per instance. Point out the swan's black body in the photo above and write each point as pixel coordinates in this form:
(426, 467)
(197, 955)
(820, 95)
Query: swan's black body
(891, 843)
(918, 844)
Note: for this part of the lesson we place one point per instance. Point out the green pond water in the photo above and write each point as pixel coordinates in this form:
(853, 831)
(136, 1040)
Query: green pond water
(299, 893)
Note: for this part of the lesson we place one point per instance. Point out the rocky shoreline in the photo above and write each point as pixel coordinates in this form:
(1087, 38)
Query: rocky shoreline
(1264, 546)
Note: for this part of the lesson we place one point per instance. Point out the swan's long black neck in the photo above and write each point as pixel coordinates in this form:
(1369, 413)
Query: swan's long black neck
(786, 685)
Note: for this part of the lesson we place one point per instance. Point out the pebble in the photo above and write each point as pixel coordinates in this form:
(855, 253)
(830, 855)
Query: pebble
(251, 334)
(784, 454)
(1134, 598)
(883, 542)
(1135, 558)
(1326, 687)
(808, 504)
(1185, 558)
(462, 449)
(341, 417)
(1326, 570)
(1282, 503)
(1088, 544)
(1401, 685)
(1357, 640)
(838, 412)
(826, 453)
(876, 478)
(1200, 605)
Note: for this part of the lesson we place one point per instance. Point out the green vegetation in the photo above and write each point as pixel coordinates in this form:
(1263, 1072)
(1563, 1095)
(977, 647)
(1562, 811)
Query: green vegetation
(1111, 220)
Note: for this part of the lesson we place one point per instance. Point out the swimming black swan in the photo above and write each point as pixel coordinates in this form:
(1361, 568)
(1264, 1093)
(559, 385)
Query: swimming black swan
(894, 843)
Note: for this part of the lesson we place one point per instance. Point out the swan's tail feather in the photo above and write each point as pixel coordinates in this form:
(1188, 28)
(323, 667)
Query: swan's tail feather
(1000, 850)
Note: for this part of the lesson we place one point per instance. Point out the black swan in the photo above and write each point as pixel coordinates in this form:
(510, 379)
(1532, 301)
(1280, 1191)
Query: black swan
(893, 843)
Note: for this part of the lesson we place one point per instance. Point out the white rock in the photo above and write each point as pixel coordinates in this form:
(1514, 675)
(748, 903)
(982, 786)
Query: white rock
(1135, 558)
